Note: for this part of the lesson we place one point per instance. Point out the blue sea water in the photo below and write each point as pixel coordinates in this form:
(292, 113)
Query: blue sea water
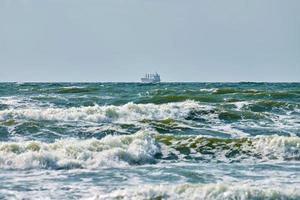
(150, 141)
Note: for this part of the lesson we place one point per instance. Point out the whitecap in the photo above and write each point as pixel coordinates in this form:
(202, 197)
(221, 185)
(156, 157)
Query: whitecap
(110, 151)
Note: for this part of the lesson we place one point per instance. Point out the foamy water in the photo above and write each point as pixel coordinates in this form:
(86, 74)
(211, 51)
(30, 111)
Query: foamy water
(161, 141)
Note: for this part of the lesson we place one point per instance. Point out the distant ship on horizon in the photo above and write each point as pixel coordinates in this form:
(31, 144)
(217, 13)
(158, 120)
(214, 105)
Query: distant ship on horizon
(151, 78)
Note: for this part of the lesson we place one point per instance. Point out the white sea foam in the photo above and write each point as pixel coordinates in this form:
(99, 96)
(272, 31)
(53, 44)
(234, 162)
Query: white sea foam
(208, 89)
(73, 87)
(241, 104)
(122, 151)
(12, 100)
(15, 102)
(264, 148)
(200, 192)
(125, 113)
(111, 151)
(278, 147)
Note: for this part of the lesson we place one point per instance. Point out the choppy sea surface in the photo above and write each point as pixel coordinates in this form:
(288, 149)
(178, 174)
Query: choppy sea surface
(150, 141)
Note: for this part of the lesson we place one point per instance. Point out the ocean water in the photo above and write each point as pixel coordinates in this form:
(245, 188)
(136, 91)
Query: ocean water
(150, 141)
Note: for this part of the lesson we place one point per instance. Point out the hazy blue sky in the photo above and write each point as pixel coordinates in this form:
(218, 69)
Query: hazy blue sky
(120, 40)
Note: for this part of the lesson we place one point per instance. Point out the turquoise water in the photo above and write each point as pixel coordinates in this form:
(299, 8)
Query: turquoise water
(150, 141)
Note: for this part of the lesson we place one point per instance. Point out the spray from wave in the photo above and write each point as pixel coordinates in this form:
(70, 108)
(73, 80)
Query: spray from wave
(143, 148)
(111, 151)
(200, 192)
(128, 112)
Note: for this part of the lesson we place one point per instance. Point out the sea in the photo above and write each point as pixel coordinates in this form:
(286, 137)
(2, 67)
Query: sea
(224, 141)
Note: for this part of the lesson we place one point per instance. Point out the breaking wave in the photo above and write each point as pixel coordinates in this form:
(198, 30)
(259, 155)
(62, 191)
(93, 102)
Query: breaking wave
(74, 90)
(201, 192)
(125, 113)
(141, 148)
(254, 92)
(232, 149)
(111, 151)
(132, 112)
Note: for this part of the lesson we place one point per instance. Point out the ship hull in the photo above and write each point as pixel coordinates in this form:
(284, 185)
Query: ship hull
(146, 80)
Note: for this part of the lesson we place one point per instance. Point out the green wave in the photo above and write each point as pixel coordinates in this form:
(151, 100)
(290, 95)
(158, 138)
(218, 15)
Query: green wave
(206, 146)
(179, 98)
(260, 147)
(9, 122)
(214, 96)
(234, 90)
(269, 105)
(256, 93)
(167, 121)
(231, 115)
(226, 115)
(75, 90)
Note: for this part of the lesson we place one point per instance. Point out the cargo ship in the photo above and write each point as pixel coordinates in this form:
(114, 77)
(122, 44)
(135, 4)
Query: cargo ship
(151, 78)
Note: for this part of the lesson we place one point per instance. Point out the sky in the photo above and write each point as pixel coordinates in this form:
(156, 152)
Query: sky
(121, 40)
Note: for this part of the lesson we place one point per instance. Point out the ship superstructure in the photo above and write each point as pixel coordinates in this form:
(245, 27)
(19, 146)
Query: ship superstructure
(151, 78)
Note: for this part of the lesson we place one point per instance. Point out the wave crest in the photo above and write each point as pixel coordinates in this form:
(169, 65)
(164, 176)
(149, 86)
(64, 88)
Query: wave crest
(111, 151)
(143, 148)
(207, 192)
(125, 113)
(231, 149)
